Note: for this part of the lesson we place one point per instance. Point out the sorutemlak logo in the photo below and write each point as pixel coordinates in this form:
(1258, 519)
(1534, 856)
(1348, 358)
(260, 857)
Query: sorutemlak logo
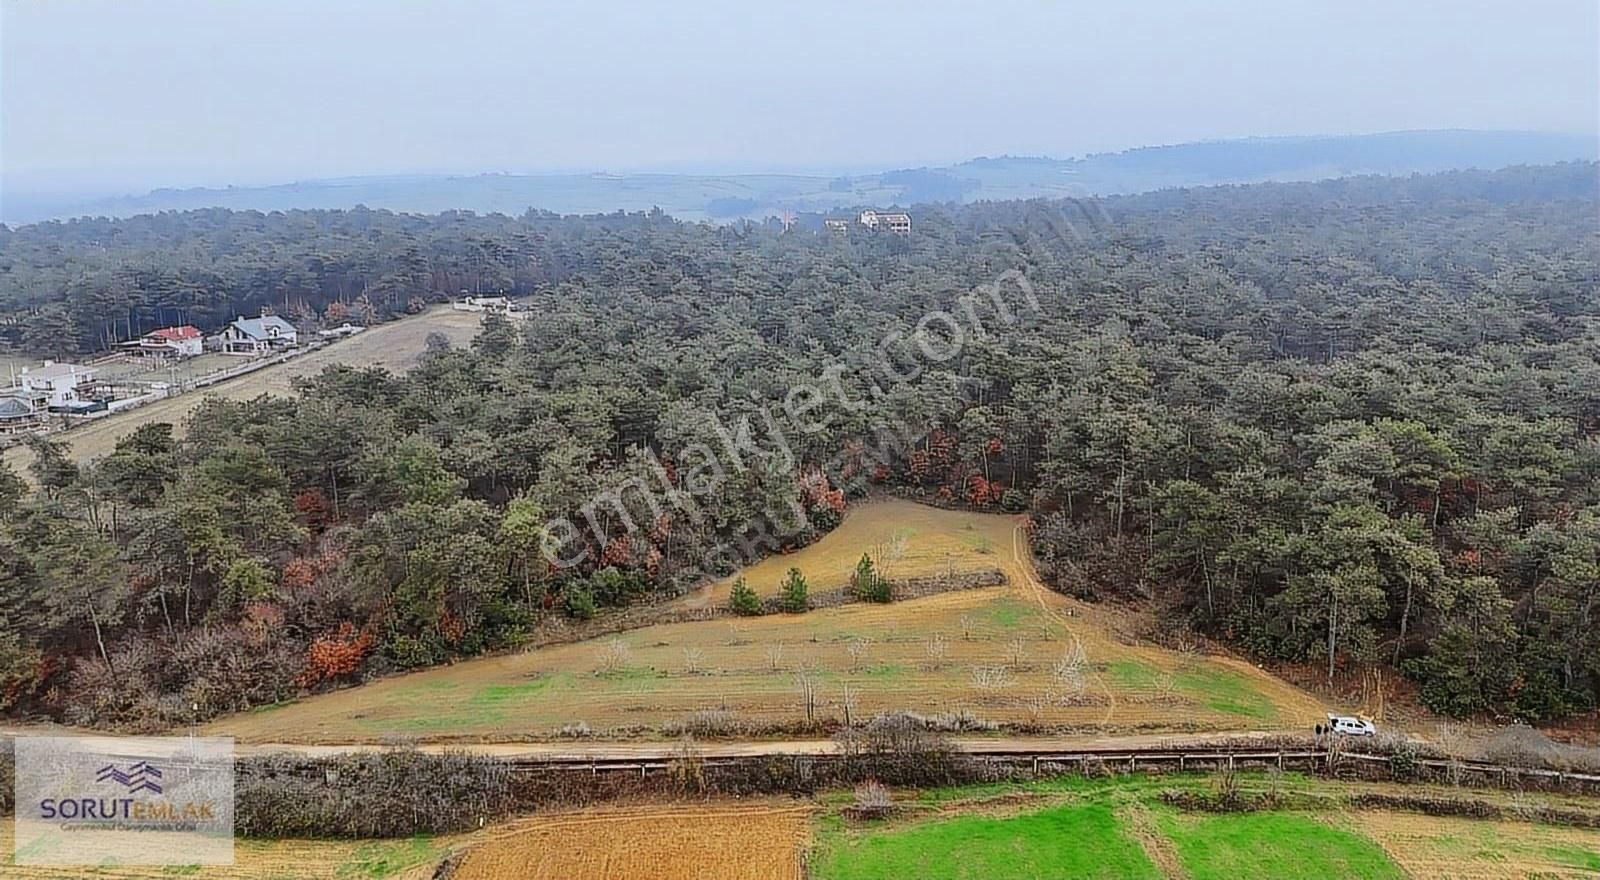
(138, 777)
(98, 800)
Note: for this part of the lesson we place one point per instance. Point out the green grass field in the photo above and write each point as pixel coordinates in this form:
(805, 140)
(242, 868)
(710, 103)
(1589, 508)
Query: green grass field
(1077, 840)
(1273, 844)
(1076, 827)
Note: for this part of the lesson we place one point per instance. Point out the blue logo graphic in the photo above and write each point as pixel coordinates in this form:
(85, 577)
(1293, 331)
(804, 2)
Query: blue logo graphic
(142, 776)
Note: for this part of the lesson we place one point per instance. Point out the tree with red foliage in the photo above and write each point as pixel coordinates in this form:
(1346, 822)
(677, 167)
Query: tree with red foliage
(982, 492)
(335, 656)
(619, 551)
(314, 510)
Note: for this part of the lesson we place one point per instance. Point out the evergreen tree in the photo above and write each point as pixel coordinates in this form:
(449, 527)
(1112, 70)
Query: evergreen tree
(743, 600)
(868, 585)
(795, 599)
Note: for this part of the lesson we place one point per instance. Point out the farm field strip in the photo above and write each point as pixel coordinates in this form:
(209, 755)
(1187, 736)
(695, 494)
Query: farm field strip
(1469, 849)
(994, 652)
(675, 842)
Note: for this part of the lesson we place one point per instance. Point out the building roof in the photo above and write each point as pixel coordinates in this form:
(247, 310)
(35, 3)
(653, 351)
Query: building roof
(14, 408)
(258, 328)
(175, 334)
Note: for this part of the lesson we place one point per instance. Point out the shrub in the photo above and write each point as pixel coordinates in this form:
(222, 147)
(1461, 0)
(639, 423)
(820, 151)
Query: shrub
(872, 801)
(579, 602)
(743, 600)
(900, 750)
(795, 599)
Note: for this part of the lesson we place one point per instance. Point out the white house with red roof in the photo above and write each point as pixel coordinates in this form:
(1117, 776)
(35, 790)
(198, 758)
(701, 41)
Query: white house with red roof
(167, 343)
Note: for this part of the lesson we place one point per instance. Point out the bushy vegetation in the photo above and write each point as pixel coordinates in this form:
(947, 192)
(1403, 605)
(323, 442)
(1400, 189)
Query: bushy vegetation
(392, 793)
(1345, 422)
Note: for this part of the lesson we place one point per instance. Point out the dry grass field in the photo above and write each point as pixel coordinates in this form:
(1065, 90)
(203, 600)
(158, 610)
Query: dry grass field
(1017, 653)
(406, 859)
(395, 346)
(905, 540)
(674, 842)
(1471, 849)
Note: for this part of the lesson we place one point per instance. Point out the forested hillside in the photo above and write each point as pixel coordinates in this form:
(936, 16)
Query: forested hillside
(1348, 422)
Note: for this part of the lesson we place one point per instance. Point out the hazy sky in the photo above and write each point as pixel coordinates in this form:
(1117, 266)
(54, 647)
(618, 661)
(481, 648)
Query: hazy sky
(143, 93)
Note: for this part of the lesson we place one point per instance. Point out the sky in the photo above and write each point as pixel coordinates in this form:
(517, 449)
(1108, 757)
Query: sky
(126, 95)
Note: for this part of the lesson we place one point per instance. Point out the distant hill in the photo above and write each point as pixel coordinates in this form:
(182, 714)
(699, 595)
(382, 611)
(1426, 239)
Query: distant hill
(731, 196)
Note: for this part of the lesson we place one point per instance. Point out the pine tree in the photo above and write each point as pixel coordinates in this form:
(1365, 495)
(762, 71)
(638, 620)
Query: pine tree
(795, 599)
(743, 600)
(870, 586)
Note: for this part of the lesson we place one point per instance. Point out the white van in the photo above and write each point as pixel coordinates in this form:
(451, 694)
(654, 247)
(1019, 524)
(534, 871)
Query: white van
(1350, 725)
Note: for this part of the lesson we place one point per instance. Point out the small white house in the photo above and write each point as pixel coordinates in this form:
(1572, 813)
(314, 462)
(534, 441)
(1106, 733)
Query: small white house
(256, 336)
(56, 385)
(343, 330)
(897, 222)
(484, 304)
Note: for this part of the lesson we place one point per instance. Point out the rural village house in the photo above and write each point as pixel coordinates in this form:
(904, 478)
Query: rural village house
(168, 343)
(484, 304)
(256, 336)
(897, 222)
(56, 386)
(18, 415)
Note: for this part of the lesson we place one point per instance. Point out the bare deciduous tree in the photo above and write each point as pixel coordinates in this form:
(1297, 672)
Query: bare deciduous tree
(857, 648)
(614, 655)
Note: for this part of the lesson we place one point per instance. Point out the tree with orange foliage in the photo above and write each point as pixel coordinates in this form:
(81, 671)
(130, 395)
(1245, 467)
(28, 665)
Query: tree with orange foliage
(334, 656)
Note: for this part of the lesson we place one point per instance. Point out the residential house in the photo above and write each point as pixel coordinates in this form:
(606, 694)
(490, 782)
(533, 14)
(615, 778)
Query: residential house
(257, 336)
(341, 331)
(484, 304)
(18, 415)
(897, 222)
(57, 386)
(168, 343)
(839, 226)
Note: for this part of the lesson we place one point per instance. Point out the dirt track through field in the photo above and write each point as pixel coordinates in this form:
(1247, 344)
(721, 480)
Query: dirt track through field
(1027, 578)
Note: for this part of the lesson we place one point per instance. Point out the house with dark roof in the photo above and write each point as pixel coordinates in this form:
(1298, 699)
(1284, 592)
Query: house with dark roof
(18, 415)
(257, 336)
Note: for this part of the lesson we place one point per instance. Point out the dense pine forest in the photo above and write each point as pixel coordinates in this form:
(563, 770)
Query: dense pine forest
(1352, 422)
